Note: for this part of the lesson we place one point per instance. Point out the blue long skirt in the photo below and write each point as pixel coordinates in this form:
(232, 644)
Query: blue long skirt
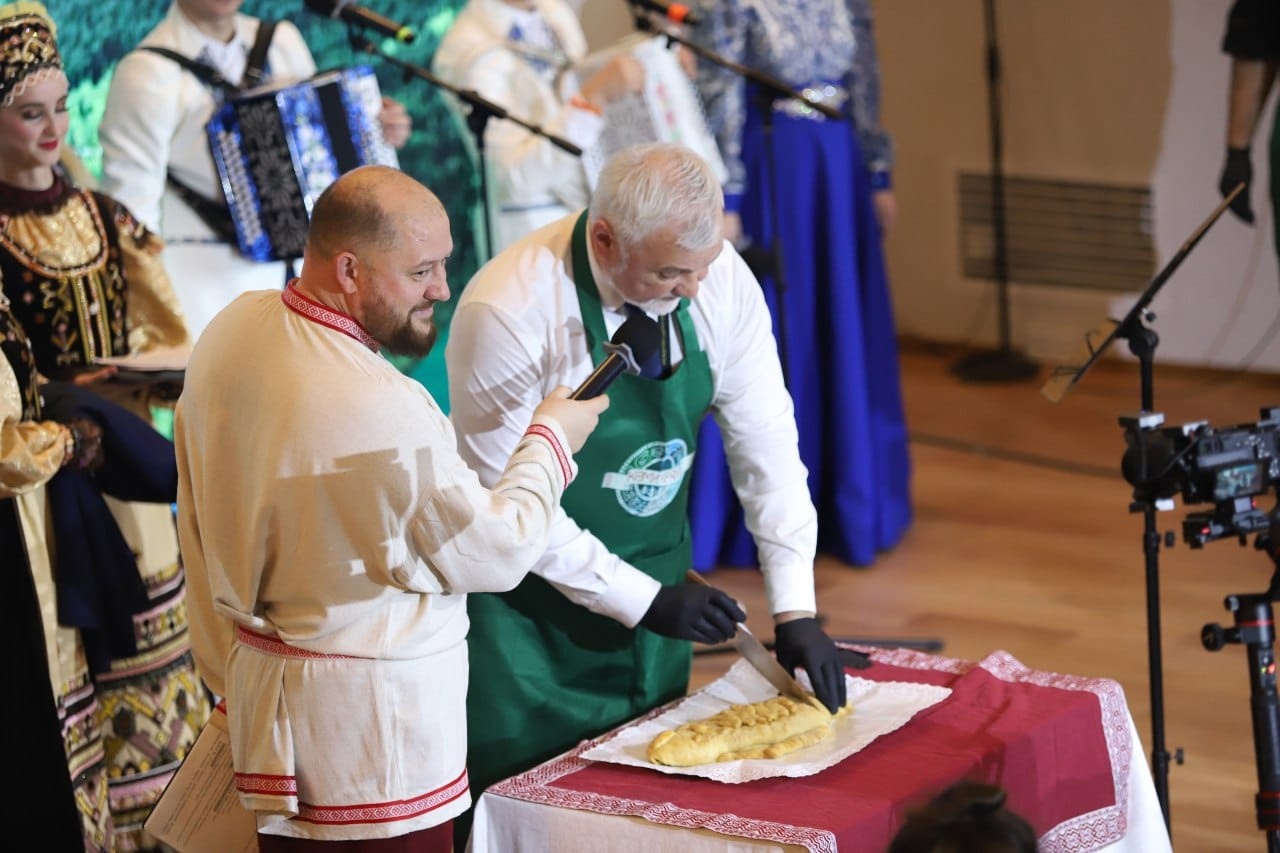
(841, 354)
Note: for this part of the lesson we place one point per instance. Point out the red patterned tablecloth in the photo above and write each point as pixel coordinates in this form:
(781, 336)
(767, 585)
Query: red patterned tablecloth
(1059, 744)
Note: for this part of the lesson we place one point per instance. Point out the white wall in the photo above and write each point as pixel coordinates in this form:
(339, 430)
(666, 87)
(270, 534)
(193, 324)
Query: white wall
(1083, 89)
(1130, 92)
(1219, 307)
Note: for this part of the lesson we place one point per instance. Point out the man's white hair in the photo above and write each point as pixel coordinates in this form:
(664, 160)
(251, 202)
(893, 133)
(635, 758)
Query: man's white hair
(645, 188)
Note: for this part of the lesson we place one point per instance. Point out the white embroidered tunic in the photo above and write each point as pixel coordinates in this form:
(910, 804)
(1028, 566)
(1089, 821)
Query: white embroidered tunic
(331, 531)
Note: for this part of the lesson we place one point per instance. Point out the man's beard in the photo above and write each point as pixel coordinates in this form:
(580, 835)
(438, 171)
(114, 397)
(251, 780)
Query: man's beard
(653, 307)
(398, 335)
(659, 307)
(408, 341)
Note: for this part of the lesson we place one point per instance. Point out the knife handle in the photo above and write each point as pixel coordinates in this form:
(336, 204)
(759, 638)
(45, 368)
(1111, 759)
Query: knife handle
(849, 658)
(696, 577)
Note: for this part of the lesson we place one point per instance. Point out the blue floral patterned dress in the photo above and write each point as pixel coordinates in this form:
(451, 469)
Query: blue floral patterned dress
(833, 315)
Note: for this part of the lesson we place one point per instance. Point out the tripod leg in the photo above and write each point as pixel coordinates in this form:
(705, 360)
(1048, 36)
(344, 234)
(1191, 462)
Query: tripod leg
(1258, 633)
(1255, 629)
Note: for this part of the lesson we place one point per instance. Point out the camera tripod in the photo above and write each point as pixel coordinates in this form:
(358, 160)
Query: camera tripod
(1254, 629)
(1142, 341)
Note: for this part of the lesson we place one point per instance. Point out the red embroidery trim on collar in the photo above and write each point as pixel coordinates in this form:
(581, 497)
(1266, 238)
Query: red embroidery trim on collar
(335, 320)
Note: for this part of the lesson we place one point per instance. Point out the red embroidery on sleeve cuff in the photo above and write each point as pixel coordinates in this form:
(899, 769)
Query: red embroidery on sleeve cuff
(550, 436)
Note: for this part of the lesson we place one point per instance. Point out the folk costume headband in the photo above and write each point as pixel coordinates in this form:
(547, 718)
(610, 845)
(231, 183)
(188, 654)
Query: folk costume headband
(28, 48)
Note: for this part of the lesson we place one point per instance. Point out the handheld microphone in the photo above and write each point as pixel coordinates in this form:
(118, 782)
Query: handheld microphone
(677, 12)
(360, 16)
(635, 343)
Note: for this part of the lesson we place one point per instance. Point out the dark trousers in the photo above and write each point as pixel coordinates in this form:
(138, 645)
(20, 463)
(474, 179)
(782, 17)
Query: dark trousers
(436, 839)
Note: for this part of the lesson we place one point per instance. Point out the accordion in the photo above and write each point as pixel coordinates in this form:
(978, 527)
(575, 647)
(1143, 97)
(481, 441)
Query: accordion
(668, 109)
(278, 147)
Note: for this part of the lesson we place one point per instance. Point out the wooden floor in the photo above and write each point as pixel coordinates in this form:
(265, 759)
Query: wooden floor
(1023, 541)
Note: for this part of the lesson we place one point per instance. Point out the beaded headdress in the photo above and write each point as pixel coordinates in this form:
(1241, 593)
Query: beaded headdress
(28, 48)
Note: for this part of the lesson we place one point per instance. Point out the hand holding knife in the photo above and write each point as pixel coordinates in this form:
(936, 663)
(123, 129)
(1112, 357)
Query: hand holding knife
(800, 642)
(759, 657)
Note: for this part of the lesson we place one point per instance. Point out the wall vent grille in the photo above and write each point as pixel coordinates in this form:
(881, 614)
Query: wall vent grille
(1060, 233)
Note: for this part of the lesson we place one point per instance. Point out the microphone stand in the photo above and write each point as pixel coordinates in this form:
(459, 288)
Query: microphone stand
(1003, 363)
(766, 90)
(1142, 341)
(481, 110)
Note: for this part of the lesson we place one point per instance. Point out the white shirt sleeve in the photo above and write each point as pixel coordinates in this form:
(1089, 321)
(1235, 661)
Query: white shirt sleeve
(756, 416)
(143, 109)
(155, 113)
(508, 349)
(498, 374)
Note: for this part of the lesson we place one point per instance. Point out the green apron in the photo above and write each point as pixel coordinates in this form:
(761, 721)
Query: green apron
(545, 672)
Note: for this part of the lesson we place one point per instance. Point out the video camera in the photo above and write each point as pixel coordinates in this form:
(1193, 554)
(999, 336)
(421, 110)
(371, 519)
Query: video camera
(1229, 467)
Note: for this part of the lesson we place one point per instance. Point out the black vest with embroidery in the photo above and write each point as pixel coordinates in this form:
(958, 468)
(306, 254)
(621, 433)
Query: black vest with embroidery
(62, 271)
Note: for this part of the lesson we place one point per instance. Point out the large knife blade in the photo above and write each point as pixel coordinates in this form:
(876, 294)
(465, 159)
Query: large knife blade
(767, 665)
(760, 657)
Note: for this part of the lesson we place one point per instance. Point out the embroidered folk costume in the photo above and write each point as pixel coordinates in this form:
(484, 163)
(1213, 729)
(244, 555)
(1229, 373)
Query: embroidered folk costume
(106, 702)
(331, 532)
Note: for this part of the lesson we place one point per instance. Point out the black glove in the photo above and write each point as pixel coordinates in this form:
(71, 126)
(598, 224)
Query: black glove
(690, 611)
(803, 643)
(1238, 169)
(86, 435)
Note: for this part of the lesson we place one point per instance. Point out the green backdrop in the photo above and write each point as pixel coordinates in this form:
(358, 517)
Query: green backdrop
(94, 34)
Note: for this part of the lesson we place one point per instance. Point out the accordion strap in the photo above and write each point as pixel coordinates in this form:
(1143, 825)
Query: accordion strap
(214, 213)
(256, 65)
(206, 74)
(254, 69)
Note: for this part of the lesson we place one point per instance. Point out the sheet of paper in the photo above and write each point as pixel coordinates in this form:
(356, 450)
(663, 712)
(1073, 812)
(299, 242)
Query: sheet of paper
(200, 811)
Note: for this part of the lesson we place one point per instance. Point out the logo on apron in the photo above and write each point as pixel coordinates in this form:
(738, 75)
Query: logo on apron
(649, 480)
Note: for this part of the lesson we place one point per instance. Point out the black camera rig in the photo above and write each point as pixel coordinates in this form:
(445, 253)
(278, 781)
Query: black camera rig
(1228, 467)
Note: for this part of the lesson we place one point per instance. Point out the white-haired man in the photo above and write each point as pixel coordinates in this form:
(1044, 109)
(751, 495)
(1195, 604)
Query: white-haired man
(560, 657)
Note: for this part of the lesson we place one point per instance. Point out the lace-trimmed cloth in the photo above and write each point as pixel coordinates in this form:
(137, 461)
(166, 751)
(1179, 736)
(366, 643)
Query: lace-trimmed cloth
(1060, 744)
(28, 49)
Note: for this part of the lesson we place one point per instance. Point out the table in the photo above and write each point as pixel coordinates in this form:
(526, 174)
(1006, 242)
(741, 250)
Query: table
(1063, 747)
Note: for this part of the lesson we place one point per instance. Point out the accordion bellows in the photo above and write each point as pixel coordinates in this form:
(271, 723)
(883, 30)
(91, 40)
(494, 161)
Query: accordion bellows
(277, 148)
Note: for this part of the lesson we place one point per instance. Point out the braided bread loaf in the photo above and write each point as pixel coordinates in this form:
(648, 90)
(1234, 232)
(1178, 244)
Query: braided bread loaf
(766, 729)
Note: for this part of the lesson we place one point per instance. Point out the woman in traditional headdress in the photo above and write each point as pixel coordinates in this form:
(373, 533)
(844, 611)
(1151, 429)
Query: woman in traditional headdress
(107, 702)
